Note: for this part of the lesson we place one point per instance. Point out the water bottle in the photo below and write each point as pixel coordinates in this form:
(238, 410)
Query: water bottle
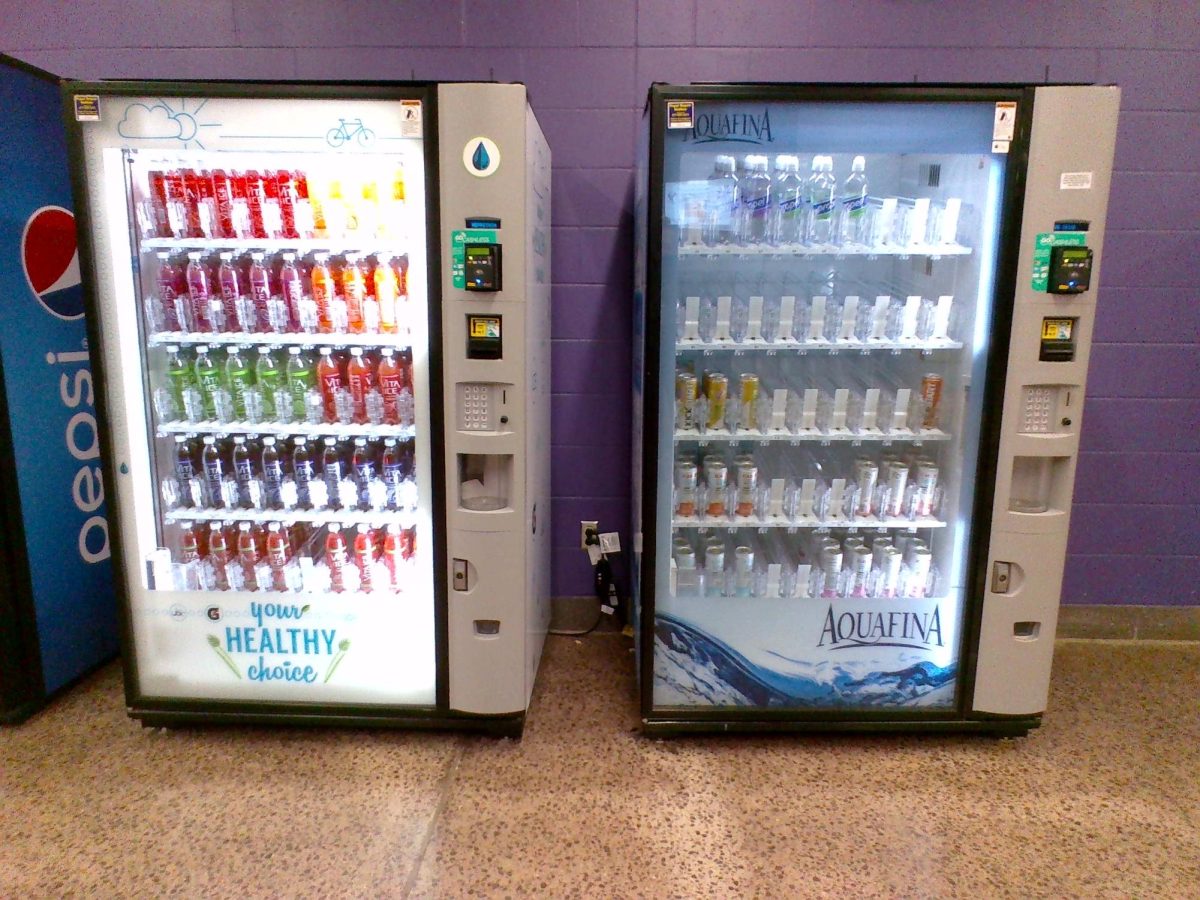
(756, 202)
(853, 226)
(722, 203)
(788, 208)
(822, 200)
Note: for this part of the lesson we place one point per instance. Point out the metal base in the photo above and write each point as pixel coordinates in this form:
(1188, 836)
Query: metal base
(507, 726)
(997, 727)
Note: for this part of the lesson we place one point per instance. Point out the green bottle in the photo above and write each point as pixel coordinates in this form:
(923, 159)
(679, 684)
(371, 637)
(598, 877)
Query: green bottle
(210, 379)
(269, 377)
(180, 377)
(239, 376)
(301, 378)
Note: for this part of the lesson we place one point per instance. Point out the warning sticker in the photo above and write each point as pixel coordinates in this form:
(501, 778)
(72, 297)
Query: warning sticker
(1005, 124)
(1075, 181)
(681, 113)
(410, 118)
(87, 108)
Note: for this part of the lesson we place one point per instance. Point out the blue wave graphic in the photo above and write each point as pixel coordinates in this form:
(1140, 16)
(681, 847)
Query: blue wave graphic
(692, 668)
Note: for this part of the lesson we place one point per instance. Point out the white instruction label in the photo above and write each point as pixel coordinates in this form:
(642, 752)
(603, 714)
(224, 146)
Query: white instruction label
(1005, 123)
(1075, 181)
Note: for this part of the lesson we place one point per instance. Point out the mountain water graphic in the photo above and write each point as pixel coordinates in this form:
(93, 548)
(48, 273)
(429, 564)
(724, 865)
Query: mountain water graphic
(692, 668)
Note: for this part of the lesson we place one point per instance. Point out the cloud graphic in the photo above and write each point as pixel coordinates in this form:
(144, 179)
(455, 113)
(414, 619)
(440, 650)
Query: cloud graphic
(155, 122)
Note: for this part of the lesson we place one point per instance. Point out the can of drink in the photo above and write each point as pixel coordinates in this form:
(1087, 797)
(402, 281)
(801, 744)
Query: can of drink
(926, 484)
(747, 489)
(685, 488)
(687, 390)
(743, 459)
(931, 395)
(918, 571)
(879, 548)
(714, 557)
(685, 556)
(716, 476)
(716, 391)
(860, 571)
(743, 560)
(896, 481)
(831, 569)
(914, 546)
(748, 394)
(889, 577)
(866, 474)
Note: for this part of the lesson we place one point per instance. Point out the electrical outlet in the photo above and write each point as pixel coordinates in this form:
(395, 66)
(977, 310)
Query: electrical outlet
(584, 527)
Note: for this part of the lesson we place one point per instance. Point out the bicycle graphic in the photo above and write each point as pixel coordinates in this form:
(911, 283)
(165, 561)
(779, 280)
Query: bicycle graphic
(347, 130)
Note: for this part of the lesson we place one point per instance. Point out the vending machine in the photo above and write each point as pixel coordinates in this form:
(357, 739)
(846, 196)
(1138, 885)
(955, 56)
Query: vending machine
(321, 323)
(863, 317)
(58, 618)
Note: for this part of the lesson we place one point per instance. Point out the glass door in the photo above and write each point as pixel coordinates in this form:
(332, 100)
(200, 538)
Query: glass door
(826, 284)
(269, 393)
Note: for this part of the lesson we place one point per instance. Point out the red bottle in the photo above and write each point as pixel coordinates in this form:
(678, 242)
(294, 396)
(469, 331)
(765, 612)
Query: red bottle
(256, 198)
(158, 204)
(189, 543)
(277, 556)
(335, 558)
(364, 557)
(218, 555)
(361, 378)
(408, 543)
(272, 213)
(247, 556)
(391, 555)
(285, 187)
(176, 203)
(391, 380)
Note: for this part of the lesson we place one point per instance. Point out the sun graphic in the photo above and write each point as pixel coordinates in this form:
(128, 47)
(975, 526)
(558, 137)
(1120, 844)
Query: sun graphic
(160, 120)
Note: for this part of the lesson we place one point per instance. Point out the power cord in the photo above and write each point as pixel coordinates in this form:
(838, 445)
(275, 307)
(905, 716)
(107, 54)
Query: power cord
(602, 585)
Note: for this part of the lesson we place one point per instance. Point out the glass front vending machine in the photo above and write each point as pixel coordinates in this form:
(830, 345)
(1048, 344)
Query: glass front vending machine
(324, 395)
(863, 316)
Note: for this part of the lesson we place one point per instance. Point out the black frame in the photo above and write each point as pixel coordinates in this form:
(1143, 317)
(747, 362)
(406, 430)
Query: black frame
(170, 711)
(681, 720)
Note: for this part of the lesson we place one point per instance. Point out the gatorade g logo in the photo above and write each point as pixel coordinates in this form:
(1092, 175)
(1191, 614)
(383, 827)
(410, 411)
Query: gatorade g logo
(51, 261)
(481, 157)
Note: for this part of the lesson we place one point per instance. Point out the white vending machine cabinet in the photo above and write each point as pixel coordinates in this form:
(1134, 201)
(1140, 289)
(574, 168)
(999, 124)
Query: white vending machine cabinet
(320, 320)
(862, 323)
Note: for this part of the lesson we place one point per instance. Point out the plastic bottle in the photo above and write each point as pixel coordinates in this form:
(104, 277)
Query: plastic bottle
(386, 291)
(269, 377)
(364, 472)
(354, 288)
(364, 557)
(323, 291)
(391, 465)
(230, 282)
(331, 472)
(853, 224)
(335, 558)
(223, 191)
(180, 378)
(303, 471)
(787, 225)
(291, 286)
(271, 212)
(300, 380)
(239, 377)
(160, 218)
(247, 556)
(391, 382)
(329, 377)
(185, 468)
(722, 202)
(285, 186)
(277, 556)
(361, 376)
(199, 292)
(218, 555)
(189, 543)
(822, 201)
(166, 286)
(272, 469)
(243, 472)
(214, 472)
(210, 379)
(391, 554)
(260, 291)
(756, 201)
(256, 198)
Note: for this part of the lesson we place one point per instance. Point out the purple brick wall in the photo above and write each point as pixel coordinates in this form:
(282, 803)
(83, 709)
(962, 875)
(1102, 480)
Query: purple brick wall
(588, 65)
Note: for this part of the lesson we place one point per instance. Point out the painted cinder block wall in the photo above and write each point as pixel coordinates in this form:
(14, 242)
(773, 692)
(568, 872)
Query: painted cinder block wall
(588, 65)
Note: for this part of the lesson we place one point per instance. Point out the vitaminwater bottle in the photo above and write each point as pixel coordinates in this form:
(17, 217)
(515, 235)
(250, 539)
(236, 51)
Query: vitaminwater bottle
(335, 558)
(277, 556)
(291, 286)
(239, 378)
(171, 301)
(331, 472)
(287, 194)
(300, 380)
(364, 472)
(323, 292)
(232, 291)
(361, 376)
(386, 291)
(391, 555)
(272, 469)
(214, 473)
(329, 377)
(303, 471)
(210, 379)
(247, 556)
(243, 472)
(354, 289)
(392, 467)
(269, 378)
(853, 215)
(199, 292)
(260, 291)
(218, 555)
(181, 378)
(364, 556)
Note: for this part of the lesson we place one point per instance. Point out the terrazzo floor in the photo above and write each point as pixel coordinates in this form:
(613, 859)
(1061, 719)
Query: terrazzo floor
(1102, 801)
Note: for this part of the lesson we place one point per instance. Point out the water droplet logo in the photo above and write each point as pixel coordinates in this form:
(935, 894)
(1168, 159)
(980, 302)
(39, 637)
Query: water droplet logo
(481, 157)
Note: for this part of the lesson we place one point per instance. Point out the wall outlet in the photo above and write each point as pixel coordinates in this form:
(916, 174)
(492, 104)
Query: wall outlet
(584, 527)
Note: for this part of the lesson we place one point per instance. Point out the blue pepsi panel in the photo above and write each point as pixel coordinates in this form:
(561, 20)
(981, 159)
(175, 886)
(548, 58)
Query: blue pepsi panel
(49, 389)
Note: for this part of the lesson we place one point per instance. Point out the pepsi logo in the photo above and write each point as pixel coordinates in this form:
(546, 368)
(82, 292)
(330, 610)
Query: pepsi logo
(51, 260)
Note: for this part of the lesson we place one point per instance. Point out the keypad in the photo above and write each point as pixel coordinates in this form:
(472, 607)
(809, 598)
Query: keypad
(474, 405)
(1035, 416)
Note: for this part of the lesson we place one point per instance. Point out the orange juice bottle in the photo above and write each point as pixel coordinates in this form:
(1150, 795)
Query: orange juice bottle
(386, 289)
(354, 288)
(322, 291)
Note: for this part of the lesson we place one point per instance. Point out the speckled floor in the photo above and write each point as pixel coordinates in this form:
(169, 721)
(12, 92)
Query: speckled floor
(1103, 801)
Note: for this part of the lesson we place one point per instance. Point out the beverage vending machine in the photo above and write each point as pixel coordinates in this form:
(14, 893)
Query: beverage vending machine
(863, 317)
(321, 317)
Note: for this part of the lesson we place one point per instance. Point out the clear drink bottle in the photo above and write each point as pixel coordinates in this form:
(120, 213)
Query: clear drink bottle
(788, 208)
(822, 201)
(185, 469)
(853, 225)
(722, 204)
(756, 201)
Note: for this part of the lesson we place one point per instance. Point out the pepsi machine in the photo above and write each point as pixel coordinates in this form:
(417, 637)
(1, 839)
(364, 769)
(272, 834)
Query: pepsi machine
(57, 608)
